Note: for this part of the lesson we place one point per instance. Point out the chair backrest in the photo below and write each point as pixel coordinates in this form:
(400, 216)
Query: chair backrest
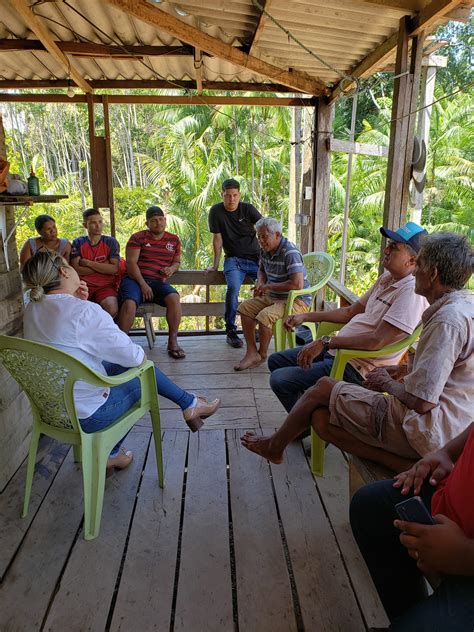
(319, 266)
(47, 376)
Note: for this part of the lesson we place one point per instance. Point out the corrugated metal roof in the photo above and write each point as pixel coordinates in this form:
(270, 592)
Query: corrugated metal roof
(341, 32)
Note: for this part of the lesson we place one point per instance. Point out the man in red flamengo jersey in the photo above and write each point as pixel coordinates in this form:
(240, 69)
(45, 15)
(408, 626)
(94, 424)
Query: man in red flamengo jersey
(96, 259)
(153, 256)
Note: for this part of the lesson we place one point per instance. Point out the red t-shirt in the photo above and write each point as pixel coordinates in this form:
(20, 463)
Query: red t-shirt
(106, 249)
(155, 254)
(454, 498)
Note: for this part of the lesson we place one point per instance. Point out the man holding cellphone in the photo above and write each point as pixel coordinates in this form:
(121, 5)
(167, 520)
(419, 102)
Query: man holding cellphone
(399, 553)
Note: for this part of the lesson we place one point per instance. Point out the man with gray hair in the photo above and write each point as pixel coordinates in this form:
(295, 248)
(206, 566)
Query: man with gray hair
(281, 269)
(428, 404)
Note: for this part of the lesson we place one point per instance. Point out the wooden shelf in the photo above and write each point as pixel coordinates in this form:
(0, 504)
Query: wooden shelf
(27, 200)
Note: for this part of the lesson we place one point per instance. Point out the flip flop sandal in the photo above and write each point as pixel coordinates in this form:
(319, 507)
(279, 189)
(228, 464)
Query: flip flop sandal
(177, 354)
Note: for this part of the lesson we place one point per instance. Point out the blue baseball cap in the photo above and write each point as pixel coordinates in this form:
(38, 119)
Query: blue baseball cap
(411, 234)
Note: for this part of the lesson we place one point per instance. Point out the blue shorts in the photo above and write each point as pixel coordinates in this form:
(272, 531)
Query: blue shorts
(129, 289)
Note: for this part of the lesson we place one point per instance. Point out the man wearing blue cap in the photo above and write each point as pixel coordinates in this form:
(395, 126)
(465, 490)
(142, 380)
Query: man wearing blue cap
(387, 313)
(400, 413)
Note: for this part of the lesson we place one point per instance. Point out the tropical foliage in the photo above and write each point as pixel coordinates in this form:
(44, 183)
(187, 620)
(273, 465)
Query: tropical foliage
(177, 156)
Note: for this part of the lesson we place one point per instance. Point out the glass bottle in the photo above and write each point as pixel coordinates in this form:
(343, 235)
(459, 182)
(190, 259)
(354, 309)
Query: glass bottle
(33, 184)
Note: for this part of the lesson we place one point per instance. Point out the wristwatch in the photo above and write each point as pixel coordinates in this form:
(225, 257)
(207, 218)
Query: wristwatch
(325, 341)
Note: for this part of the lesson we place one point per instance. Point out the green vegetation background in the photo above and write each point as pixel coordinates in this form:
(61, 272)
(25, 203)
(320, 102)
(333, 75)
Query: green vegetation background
(177, 157)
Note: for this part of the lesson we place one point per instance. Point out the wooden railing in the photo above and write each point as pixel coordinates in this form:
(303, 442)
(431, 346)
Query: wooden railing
(205, 307)
(209, 308)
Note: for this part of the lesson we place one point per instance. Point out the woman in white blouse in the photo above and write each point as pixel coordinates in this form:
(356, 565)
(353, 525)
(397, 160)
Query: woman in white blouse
(59, 315)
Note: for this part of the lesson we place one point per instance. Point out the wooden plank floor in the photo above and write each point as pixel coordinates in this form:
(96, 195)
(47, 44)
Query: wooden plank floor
(231, 543)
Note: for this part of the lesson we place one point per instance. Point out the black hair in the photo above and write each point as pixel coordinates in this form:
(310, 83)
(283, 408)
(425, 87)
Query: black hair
(231, 184)
(154, 210)
(88, 213)
(41, 220)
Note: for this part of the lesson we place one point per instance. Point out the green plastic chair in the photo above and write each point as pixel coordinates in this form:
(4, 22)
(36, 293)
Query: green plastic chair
(337, 372)
(47, 376)
(319, 266)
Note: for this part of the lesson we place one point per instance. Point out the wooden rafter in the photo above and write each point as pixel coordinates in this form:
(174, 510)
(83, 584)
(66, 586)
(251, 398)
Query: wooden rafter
(262, 19)
(35, 24)
(163, 21)
(425, 21)
(159, 99)
(146, 84)
(89, 49)
(431, 14)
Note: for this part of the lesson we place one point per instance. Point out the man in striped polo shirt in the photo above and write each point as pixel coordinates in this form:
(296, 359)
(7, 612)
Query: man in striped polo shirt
(281, 269)
(153, 256)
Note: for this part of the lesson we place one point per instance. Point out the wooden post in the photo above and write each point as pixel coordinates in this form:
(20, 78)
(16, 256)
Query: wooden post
(108, 156)
(428, 80)
(295, 172)
(303, 218)
(347, 196)
(324, 116)
(101, 161)
(405, 95)
(15, 414)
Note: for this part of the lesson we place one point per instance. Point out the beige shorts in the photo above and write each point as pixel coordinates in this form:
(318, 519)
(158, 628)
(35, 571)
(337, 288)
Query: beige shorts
(373, 418)
(267, 310)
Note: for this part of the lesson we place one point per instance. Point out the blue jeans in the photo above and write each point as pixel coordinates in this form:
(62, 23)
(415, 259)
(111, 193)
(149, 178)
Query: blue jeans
(122, 397)
(289, 381)
(398, 580)
(235, 270)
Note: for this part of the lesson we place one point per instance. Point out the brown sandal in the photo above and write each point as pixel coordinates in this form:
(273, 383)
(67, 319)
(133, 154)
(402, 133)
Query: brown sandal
(177, 354)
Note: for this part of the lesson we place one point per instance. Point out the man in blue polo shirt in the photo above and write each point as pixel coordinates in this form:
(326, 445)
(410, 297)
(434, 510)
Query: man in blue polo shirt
(281, 270)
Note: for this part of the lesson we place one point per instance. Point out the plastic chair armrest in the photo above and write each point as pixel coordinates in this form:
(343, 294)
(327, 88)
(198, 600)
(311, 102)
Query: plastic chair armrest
(326, 328)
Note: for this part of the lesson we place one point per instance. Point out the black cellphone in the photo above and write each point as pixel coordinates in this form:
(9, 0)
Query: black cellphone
(414, 510)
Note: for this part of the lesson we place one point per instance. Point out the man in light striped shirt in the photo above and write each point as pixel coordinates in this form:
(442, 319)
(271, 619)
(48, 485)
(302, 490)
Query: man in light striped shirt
(281, 269)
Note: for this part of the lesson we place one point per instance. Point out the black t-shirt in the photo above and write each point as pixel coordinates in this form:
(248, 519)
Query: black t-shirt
(237, 229)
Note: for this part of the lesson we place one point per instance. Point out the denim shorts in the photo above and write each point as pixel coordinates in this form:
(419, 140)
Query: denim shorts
(129, 289)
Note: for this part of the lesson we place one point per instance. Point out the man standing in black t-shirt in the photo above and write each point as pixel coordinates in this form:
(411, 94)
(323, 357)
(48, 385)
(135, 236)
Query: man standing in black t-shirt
(233, 224)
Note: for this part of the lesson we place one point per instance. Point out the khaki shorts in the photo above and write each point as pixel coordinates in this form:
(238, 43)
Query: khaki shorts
(373, 418)
(268, 310)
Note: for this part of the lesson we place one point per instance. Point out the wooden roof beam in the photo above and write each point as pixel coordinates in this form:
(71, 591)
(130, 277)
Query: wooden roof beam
(154, 84)
(166, 22)
(35, 24)
(425, 20)
(89, 49)
(262, 19)
(428, 17)
(160, 99)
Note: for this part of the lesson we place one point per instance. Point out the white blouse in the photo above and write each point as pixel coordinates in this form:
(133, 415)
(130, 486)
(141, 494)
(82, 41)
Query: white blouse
(87, 332)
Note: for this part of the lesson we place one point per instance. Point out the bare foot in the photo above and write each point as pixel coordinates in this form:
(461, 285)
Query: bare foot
(261, 446)
(249, 362)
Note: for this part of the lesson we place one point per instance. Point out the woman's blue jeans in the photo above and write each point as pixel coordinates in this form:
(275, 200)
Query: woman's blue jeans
(122, 397)
(235, 269)
(396, 576)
